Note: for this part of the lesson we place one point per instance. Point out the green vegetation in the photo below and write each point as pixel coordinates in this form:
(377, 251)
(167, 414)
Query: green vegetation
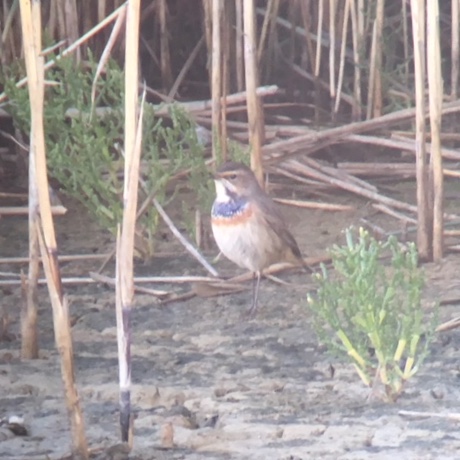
(84, 151)
(371, 313)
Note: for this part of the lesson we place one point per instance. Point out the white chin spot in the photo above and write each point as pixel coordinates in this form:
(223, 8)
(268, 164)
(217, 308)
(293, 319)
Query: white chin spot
(221, 192)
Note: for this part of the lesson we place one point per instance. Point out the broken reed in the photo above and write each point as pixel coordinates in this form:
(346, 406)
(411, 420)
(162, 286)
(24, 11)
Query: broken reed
(43, 233)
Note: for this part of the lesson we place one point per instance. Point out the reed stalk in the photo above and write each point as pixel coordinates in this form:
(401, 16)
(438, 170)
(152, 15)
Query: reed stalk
(346, 15)
(31, 34)
(435, 86)
(29, 311)
(125, 238)
(405, 41)
(374, 96)
(423, 207)
(255, 115)
(239, 45)
(216, 82)
(207, 20)
(166, 72)
(455, 55)
(332, 34)
(319, 34)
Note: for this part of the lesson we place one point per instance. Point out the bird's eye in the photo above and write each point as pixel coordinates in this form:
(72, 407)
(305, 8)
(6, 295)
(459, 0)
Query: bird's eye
(232, 176)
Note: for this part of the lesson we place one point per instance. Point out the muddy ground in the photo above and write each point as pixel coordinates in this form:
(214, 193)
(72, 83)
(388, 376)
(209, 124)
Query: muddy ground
(229, 388)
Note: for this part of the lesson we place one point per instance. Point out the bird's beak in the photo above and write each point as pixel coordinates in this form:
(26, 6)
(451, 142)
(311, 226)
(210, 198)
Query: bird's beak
(215, 176)
(221, 190)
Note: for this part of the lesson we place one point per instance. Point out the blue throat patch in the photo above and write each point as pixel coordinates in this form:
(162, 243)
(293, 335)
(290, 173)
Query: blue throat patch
(230, 208)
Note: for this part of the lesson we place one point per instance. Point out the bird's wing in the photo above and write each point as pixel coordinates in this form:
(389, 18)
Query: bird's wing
(275, 220)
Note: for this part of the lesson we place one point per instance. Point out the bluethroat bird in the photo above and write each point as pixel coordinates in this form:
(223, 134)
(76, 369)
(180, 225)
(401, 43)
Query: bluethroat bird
(247, 225)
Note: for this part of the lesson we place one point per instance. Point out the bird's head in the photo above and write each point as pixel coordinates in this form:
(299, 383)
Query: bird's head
(234, 180)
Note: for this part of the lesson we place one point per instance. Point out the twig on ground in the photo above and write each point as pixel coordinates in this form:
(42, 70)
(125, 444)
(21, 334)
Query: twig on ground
(24, 210)
(449, 325)
(393, 213)
(111, 281)
(454, 417)
(190, 248)
(316, 205)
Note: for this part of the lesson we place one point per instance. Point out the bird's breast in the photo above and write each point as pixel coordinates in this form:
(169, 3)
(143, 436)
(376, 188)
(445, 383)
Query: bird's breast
(232, 212)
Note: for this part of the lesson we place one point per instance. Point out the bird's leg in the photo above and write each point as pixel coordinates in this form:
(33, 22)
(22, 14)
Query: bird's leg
(255, 293)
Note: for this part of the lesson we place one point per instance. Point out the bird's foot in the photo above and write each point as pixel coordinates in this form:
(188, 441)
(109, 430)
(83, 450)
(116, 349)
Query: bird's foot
(250, 314)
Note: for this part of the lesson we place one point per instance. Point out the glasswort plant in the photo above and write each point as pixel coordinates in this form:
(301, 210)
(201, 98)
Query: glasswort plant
(371, 312)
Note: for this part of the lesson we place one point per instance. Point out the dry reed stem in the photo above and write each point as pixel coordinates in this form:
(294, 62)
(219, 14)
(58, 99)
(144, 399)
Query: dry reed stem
(342, 175)
(423, 205)
(376, 231)
(156, 279)
(29, 310)
(207, 290)
(31, 28)
(346, 15)
(318, 83)
(225, 80)
(268, 17)
(69, 12)
(101, 9)
(194, 107)
(449, 173)
(7, 27)
(446, 136)
(455, 53)
(125, 238)
(289, 44)
(190, 248)
(374, 95)
(305, 11)
(332, 173)
(106, 53)
(308, 171)
(315, 205)
(386, 169)
(255, 115)
(406, 37)
(296, 177)
(239, 45)
(73, 257)
(357, 39)
(166, 72)
(332, 33)
(63, 338)
(216, 76)
(207, 21)
(23, 210)
(393, 213)
(453, 323)
(311, 141)
(454, 417)
(435, 86)
(61, 258)
(97, 277)
(401, 143)
(271, 62)
(319, 35)
(30, 20)
(186, 67)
